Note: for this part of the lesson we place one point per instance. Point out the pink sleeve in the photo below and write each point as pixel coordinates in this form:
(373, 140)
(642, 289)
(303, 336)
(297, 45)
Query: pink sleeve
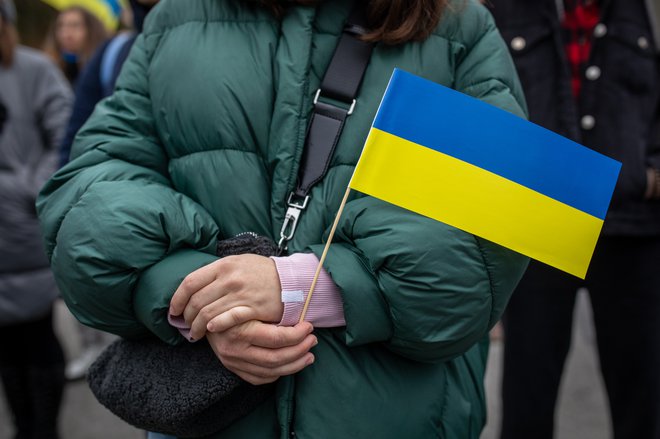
(179, 323)
(296, 272)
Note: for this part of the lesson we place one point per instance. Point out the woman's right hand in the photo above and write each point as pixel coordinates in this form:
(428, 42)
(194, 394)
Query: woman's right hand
(260, 353)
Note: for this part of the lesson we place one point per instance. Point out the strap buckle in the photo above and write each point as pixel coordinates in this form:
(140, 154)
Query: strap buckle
(350, 109)
(291, 217)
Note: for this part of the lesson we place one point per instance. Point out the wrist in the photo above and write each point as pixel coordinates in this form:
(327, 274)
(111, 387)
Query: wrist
(296, 274)
(275, 304)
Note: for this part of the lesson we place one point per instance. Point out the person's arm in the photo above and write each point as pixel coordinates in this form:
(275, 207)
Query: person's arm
(119, 237)
(240, 288)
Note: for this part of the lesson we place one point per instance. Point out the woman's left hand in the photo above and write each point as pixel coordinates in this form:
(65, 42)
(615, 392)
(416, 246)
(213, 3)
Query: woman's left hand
(247, 285)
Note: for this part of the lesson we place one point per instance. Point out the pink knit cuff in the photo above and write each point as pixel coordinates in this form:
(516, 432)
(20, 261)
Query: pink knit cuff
(179, 323)
(296, 273)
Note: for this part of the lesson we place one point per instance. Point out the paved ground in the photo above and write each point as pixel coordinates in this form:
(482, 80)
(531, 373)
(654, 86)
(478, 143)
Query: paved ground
(583, 411)
(582, 407)
(82, 416)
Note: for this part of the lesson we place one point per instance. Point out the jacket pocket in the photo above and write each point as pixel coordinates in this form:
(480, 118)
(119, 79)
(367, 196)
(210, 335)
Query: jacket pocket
(630, 52)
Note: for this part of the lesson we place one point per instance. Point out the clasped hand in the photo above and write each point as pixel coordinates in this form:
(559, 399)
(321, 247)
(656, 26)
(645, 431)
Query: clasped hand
(236, 299)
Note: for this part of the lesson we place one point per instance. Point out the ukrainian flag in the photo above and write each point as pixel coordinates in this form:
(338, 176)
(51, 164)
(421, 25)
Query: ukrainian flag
(107, 11)
(458, 160)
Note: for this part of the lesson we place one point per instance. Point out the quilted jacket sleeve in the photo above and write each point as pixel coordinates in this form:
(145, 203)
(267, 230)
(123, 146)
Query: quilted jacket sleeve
(424, 289)
(119, 238)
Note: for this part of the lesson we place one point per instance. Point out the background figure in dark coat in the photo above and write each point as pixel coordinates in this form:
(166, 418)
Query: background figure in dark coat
(36, 100)
(591, 72)
(97, 80)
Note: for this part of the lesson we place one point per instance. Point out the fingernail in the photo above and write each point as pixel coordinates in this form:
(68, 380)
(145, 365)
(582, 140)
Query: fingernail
(310, 360)
(316, 341)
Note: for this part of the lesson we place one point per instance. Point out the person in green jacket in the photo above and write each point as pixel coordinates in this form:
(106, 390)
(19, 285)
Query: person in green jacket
(202, 141)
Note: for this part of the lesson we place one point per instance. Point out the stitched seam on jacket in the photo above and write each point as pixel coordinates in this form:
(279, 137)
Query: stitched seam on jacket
(186, 155)
(165, 29)
(445, 399)
(134, 92)
(490, 285)
(484, 82)
(508, 87)
(60, 220)
(490, 279)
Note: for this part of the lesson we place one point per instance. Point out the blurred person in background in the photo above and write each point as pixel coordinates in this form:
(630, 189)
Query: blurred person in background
(36, 101)
(97, 81)
(591, 72)
(74, 37)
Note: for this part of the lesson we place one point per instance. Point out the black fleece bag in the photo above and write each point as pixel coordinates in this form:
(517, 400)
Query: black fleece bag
(181, 390)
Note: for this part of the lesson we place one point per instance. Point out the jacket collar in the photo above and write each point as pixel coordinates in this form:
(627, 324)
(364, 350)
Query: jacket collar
(604, 6)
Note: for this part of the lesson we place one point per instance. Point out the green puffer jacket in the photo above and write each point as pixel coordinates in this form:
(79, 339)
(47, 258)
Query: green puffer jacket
(202, 140)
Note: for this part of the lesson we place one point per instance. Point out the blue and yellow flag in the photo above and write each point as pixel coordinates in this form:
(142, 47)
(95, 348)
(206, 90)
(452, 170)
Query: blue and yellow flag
(107, 11)
(458, 160)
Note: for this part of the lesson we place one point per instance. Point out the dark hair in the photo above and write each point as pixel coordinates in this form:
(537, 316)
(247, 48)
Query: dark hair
(391, 21)
(8, 42)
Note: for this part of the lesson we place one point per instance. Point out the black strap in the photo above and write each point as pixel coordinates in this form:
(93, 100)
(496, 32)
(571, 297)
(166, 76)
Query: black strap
(340, 83)
(344, 74)
(3, 116)
(333, 103)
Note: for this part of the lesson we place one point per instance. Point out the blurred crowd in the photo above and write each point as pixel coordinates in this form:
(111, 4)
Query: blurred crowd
(46, 93)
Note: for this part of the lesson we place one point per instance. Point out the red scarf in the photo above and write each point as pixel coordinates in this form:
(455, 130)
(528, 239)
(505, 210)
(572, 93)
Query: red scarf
(580, 19)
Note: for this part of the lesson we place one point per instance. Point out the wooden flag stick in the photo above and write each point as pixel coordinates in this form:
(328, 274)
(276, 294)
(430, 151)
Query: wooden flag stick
(324, 254)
